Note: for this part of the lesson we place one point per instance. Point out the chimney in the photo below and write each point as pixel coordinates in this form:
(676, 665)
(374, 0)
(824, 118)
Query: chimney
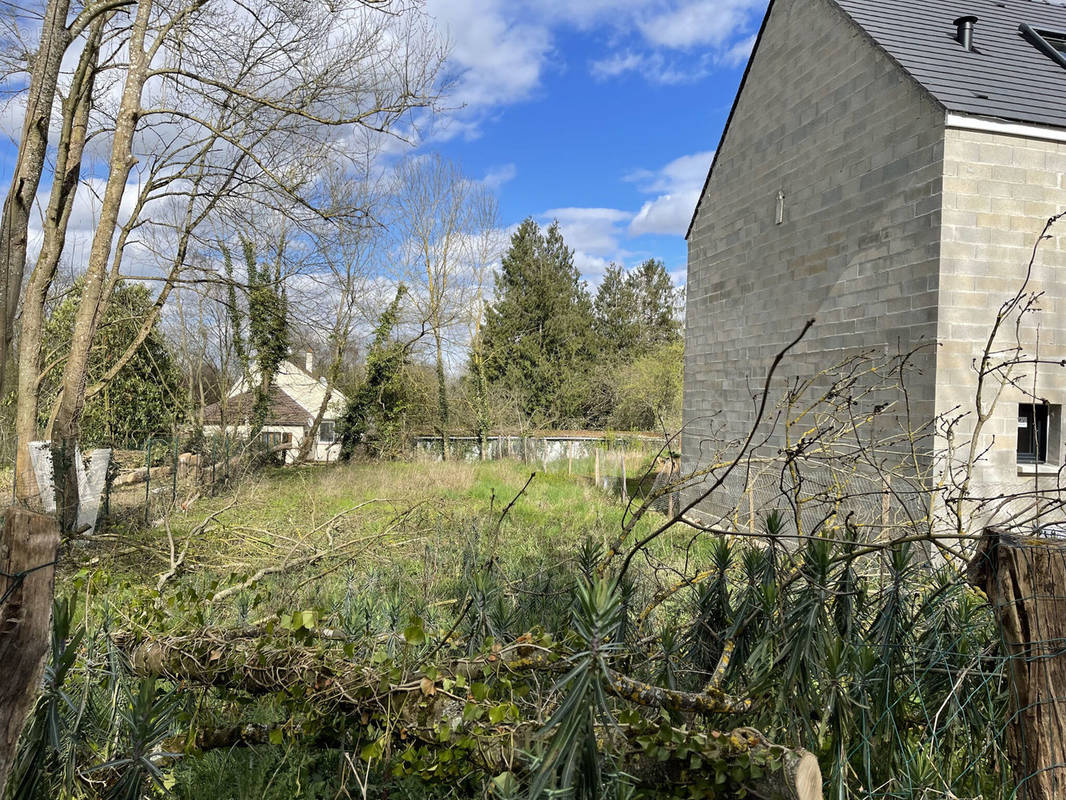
(964, 32)
(309, 362)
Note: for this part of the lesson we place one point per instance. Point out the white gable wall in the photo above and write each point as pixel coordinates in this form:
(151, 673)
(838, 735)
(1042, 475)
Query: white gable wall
(304, 389)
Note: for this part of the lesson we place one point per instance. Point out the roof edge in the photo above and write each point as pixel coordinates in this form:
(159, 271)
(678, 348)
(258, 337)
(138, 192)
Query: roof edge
(729, 119)
(743, 81)
(1004, 126)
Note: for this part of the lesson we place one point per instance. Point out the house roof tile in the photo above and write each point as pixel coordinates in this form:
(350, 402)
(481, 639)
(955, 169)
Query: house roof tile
(283, 409)
(1005, 76)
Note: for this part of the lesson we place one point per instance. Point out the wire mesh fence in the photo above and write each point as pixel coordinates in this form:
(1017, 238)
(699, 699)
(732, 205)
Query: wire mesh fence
(146, 477)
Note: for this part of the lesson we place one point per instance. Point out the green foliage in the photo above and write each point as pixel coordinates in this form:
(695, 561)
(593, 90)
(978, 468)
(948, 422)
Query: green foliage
(377, 407)
(537, 338)
(646, 392)
(636, 311)
(880, 663)
(571, 762)
(144, 398)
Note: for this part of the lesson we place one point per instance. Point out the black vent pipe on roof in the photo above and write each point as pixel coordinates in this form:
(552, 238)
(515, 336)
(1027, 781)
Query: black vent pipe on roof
(964, 31)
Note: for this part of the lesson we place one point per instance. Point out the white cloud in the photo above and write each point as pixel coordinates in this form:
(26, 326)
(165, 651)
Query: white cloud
(739, 52)
(501, 49)
(677, 188)
(652, 67)
(595, 231)
(497, 177)
(497, 57)
(699, 22)
(617, 64)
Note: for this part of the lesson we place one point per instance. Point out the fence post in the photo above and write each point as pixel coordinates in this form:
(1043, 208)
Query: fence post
(174, 475)
(26, 595)
(1024, 578)
(147, 481)
(596, 471)
(622, 460)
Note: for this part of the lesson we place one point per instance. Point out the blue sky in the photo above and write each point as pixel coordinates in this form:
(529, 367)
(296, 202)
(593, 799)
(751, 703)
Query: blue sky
(602, 113)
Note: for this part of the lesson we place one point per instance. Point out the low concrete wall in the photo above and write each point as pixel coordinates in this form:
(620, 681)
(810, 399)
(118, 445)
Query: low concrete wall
(545, 449)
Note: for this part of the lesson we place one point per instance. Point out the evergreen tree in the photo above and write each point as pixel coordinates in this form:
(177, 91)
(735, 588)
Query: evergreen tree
(617, 313)
(655, 298)
(538, 333)
(144, 399)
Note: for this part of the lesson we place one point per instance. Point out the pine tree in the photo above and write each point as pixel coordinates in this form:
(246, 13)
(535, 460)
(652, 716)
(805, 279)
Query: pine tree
(655, 298)
(538, 332)
(617, 313)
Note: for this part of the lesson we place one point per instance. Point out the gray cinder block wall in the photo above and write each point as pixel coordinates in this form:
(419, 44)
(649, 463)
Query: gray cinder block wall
(999, 191)
(857, 149)
(899, 230)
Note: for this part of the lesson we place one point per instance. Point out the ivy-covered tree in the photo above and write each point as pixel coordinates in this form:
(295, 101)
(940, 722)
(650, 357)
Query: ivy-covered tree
(145, 398)
(377, 405)
(267, 337)
(537, 337)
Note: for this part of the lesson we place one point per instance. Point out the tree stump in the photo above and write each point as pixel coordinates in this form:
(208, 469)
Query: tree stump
(27, 561)
(1025, 580)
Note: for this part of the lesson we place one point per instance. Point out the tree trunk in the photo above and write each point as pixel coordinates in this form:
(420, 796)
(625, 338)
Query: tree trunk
(1025, 580)
(30, 163)
(67, 173)
(27, 557)
(442, 397)
(797, 778)
(63, 424)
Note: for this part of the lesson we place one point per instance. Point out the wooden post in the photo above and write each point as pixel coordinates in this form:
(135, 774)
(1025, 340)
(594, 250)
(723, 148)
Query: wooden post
(751, 507)
(570, 457)
(27, 559)
(625, 489)
(885, 497)
(1025, 580)
(597, 468)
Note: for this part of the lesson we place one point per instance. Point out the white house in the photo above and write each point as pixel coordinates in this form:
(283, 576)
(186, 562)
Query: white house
(295, 397)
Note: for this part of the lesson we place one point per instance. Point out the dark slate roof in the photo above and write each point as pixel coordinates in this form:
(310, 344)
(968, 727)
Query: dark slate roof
(283, 410)
(1005, 77)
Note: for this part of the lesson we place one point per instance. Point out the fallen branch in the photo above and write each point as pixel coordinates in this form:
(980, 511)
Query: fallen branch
(349, 691)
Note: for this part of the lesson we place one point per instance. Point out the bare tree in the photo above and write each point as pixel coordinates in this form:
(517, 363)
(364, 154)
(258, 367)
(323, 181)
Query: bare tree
(211, 113)
(440, 216)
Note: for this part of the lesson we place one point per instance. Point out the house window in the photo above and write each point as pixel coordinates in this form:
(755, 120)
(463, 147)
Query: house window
(1038, 433)
(1050, 43)
(275, 438)
(326, 432)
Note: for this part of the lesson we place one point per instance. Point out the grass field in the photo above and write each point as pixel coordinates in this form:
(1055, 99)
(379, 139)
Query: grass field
(402, 533)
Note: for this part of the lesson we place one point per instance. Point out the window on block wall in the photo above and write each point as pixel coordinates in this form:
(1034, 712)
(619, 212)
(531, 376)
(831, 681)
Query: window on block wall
(1038, 432)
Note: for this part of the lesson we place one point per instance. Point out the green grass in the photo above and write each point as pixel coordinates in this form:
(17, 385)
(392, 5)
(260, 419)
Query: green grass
(407, 534)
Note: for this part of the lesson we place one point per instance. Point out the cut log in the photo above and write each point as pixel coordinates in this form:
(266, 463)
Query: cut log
(1025, 580)
(798, 778)
(27, 562)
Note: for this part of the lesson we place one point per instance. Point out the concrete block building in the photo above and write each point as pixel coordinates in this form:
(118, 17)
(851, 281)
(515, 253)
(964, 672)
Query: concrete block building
(886, 170)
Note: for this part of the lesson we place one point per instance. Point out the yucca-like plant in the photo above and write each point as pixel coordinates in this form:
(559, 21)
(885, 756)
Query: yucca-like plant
(147, 717)
(571, 763)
